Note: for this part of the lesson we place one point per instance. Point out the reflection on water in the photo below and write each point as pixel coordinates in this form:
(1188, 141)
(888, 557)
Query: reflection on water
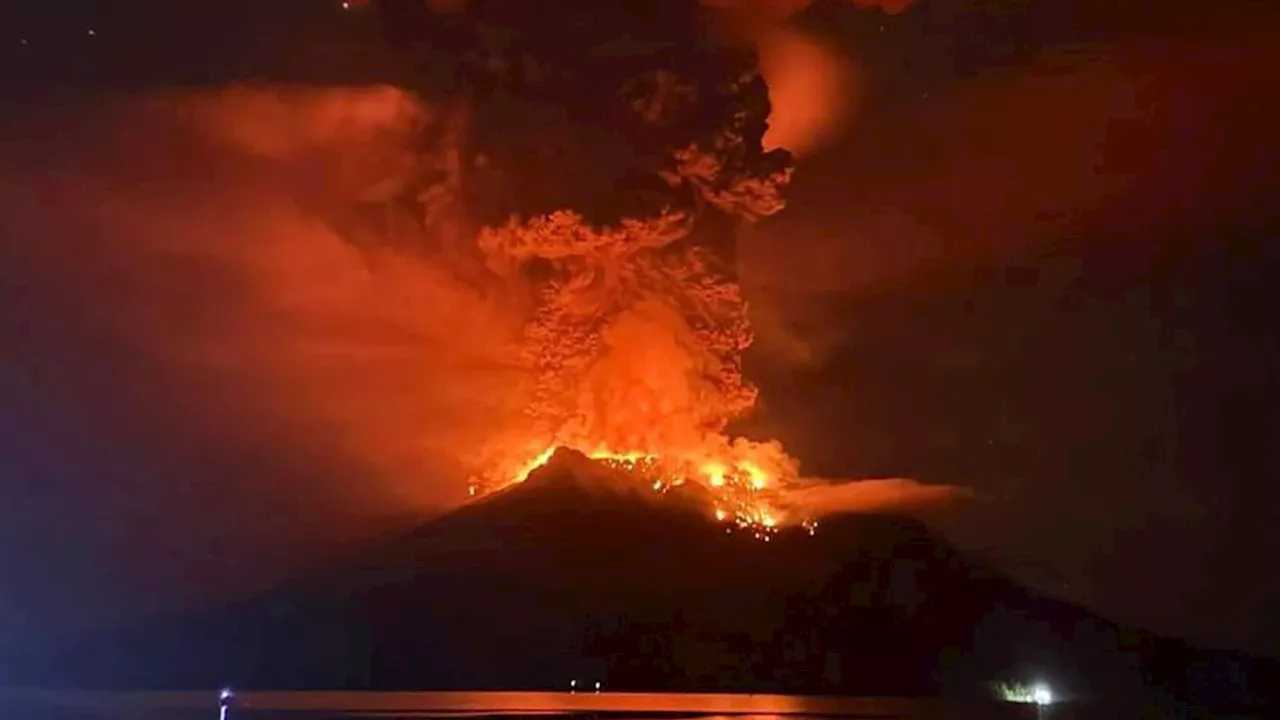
(39, 705)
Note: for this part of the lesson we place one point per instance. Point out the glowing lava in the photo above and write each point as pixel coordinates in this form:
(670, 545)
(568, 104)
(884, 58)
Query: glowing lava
(622, 263)
(743, 490)
(637, 325)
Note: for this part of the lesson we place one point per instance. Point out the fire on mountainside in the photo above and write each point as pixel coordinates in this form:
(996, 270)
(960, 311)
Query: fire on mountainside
(744, 492)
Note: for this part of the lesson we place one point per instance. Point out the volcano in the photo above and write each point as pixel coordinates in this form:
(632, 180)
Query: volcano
(581, 573)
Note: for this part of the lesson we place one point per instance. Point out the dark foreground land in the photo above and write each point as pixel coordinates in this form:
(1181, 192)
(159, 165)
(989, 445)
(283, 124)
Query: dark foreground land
(579, 576)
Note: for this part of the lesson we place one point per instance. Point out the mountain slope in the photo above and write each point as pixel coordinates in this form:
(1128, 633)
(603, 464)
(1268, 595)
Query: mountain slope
(581, 573)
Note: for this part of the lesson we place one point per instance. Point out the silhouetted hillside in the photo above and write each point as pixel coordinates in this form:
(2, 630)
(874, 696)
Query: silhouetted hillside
(580, 573)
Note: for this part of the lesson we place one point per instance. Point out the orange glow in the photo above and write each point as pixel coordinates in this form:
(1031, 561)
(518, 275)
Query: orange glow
(625, 344)
(714, 472)
(739, 486)
(635, 334)
(634, 339)
(523, 473)
(634, 355)
(812, 89)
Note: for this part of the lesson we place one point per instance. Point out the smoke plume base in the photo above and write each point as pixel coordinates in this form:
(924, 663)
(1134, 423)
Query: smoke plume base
(757, 504)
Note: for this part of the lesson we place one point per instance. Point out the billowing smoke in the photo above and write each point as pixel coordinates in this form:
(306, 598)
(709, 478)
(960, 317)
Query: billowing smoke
(233, 225)
(775, 9)
(638, 328)
(249, 297)
(1129, 141)
(783, 9)
(626, 239)
(813, 87)
(208, 359)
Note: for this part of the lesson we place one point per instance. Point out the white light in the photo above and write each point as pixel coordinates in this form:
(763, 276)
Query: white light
(597, 686)
(93, 33)
(224, 702)
(1014, 692)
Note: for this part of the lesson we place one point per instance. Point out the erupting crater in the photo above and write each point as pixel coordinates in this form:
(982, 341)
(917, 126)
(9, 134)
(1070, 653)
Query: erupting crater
(612, 233)
(740, 494)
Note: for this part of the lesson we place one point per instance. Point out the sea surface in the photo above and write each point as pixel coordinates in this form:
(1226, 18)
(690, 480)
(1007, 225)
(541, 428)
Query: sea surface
(587, 705)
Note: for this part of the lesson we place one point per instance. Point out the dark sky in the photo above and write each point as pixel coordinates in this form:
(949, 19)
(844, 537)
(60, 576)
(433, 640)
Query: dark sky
(1040, 263)
(1058, 293)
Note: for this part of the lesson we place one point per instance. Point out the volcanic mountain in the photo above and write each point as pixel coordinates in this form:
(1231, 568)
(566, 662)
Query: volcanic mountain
(581, 573)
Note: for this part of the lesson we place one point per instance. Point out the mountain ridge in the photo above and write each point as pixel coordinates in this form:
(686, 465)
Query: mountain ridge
(582, 573)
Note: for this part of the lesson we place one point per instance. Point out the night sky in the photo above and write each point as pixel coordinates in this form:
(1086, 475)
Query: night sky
(1039, 262)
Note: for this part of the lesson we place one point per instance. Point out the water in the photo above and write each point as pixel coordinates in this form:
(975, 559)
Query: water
(41, 705)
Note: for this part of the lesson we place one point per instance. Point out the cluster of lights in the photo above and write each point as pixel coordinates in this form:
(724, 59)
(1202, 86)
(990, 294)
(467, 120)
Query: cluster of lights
(1039, 695)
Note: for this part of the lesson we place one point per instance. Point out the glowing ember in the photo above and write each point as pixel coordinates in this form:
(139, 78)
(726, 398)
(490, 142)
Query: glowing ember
(741, 491)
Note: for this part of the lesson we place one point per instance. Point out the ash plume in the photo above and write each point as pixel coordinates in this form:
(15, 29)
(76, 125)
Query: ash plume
(1125, 141)
(637, 330)
(625, 241)
(813, 86)
(318, 307)
(209, 363)
(272, 193)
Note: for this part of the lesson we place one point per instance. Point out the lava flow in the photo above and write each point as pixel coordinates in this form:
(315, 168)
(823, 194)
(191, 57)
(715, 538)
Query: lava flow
(743, 490)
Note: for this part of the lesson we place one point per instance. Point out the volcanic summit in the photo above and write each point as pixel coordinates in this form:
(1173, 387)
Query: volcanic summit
(582, 574)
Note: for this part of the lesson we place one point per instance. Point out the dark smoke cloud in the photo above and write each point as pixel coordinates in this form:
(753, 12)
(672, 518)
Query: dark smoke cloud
(1152, 135)
(780, 9)
(207, 377)
(1098, 404)
(813, 87)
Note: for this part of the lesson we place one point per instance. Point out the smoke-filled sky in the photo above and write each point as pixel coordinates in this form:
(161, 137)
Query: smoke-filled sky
(1032, 256)
(200, 367)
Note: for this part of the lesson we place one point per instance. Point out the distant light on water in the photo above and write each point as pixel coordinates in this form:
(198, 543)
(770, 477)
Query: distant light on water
(225, 696)
(1038, 694)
